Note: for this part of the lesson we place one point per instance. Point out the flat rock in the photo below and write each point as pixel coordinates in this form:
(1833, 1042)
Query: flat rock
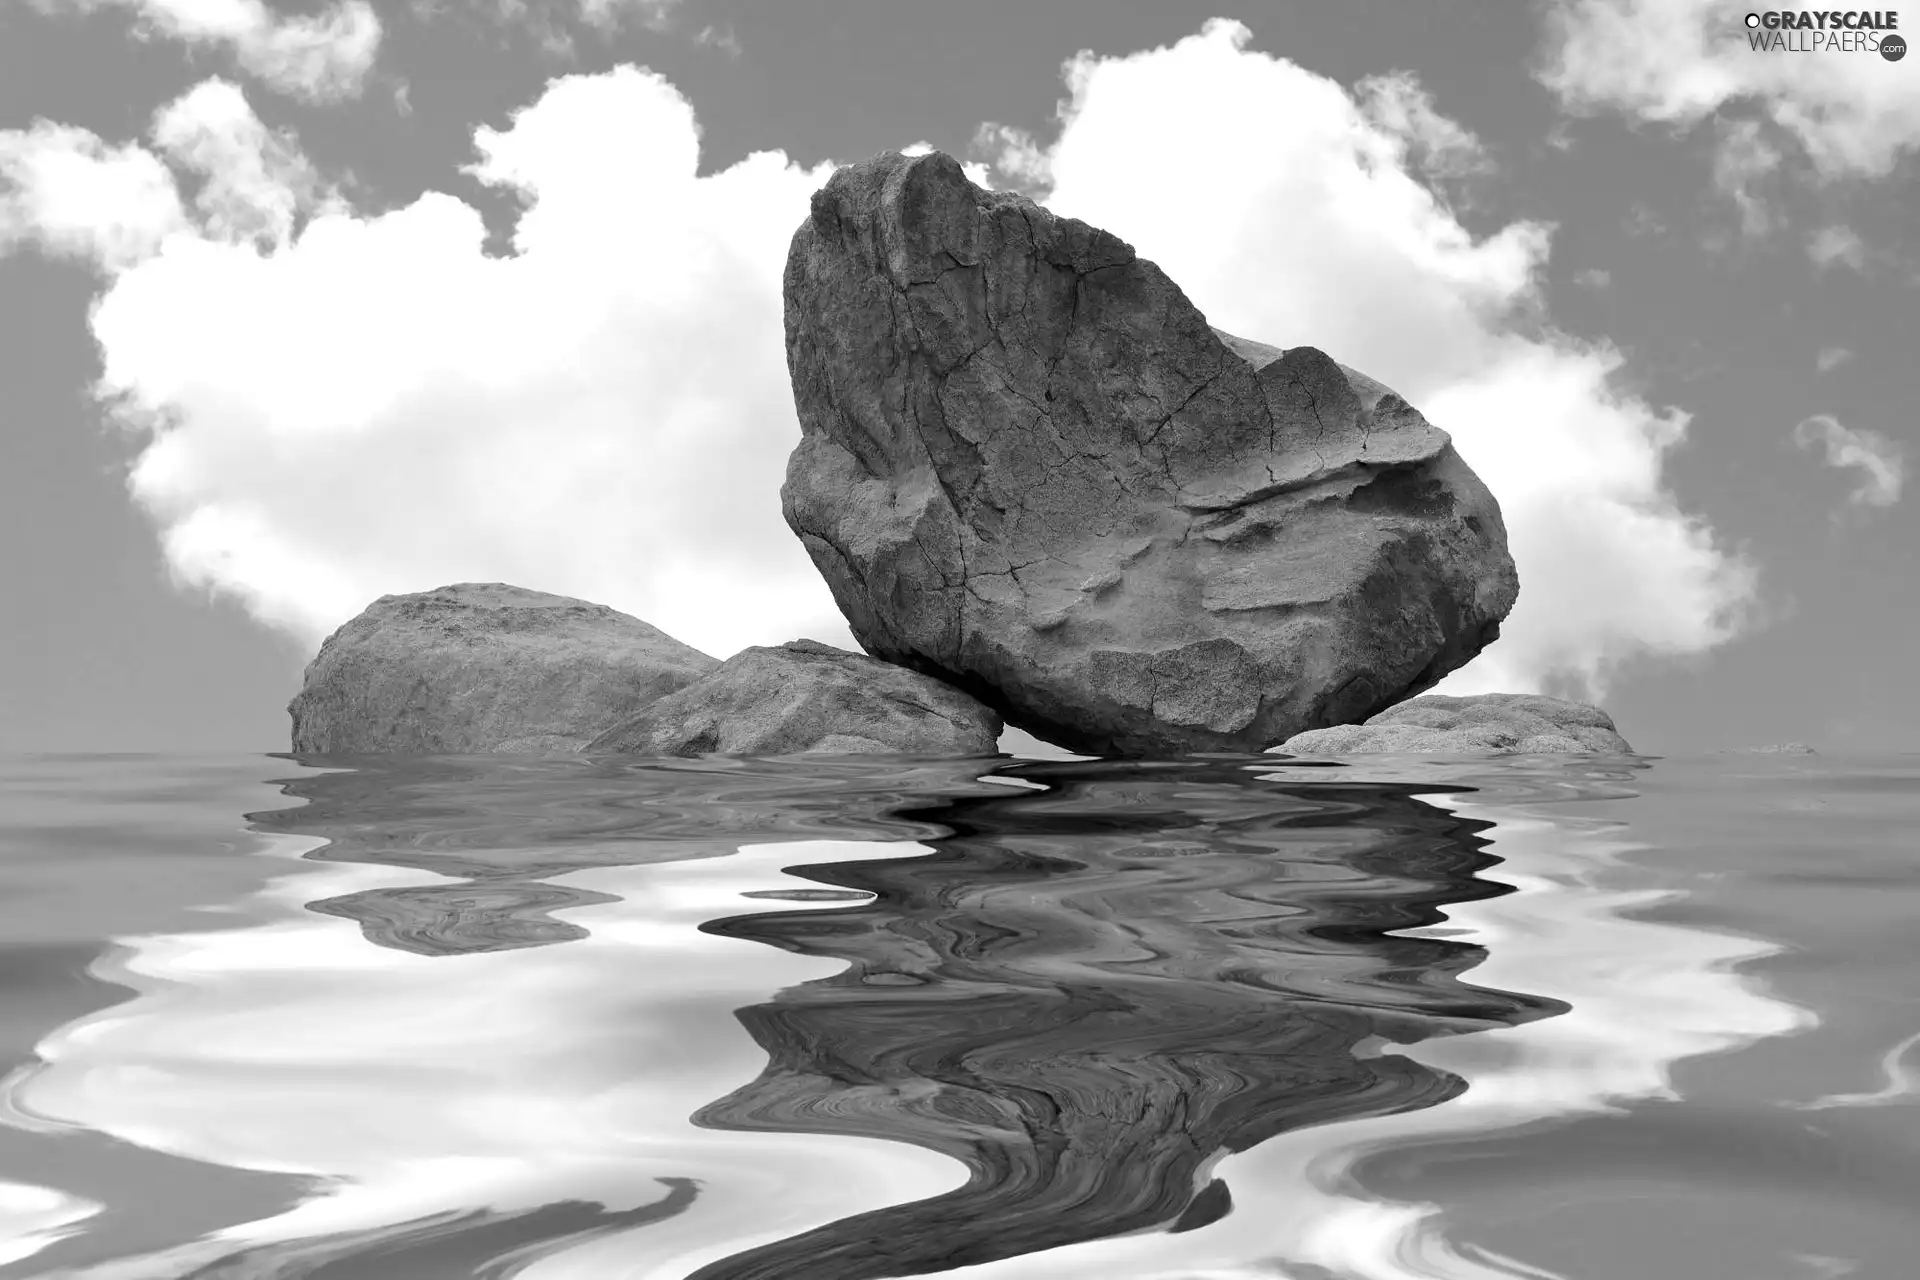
(1030, 468)
(808, 698)
(482, 667)
(1488, 723)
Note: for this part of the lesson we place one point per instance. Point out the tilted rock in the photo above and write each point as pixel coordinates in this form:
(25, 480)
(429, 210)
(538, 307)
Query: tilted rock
(805, 697)
(484, 667)
(1029, 467)
(1508, 723)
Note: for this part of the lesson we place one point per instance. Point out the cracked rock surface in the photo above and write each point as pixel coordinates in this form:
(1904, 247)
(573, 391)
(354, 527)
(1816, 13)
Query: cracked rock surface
(1488, 723)
(1030, 468)
(808, 698)
(484, 667)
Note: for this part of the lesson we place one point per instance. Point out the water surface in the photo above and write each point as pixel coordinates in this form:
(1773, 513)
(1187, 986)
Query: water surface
(820, 1019)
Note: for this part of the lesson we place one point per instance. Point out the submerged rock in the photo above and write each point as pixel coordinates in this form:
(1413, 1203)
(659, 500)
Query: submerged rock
(1028, 466)
(1512, 723)
(484, 667)
(811, 698)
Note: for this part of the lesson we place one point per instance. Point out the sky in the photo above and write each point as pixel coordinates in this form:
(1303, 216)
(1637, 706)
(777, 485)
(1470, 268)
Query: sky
(304, 304)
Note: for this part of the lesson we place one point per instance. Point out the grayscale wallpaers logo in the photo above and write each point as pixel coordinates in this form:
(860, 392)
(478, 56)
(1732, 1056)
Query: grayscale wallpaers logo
(1827, 31)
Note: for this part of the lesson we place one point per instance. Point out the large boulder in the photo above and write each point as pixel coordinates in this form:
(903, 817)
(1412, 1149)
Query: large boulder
(484, 667)
(1029, 467)
(808, 698)
(1488, 723)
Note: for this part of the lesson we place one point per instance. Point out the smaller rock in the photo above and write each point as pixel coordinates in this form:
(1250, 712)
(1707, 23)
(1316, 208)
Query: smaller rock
(483, 667)
(1489, 723)
(1770, 749)
(808, 698)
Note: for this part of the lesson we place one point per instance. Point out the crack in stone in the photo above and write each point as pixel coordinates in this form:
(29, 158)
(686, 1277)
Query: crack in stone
(1161, 425)
(1313, 402)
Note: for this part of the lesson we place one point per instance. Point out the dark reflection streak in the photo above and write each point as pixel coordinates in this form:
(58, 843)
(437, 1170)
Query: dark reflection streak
(1086, 1028)
(1084, 993)
(449, 920)
(502, 825)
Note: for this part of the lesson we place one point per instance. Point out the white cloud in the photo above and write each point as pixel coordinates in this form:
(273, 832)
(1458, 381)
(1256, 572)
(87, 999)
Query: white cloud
(1831, 358)
(545, 21)
(1880, 461)
(1744, 158)
(553, 24)
(1682, 61)
(376, 406)
(721, 38)
(1327, 241)
(1641, 220)
(68, 193)
(609, 14)
(321, 57)
(1439, 147)
(977, 171)
(1017, 159)
(1837, 244)
(1594, 278)
(254, 181)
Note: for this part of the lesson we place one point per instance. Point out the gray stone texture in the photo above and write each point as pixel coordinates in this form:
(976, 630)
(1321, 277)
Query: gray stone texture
(1488, 723)
(483, 667)
(1030, 468)
(808, 698)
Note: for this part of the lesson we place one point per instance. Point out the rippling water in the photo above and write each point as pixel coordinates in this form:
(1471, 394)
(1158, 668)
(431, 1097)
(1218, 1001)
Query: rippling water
(824, 1020)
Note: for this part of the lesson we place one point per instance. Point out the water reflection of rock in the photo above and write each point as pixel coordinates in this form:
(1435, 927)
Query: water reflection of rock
(1089, 993)
(503, 827)
(1101, 979)
(442, 920)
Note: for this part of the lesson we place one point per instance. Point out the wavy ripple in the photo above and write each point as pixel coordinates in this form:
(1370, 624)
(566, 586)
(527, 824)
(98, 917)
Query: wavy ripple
(1088, 994)
(483, 1025)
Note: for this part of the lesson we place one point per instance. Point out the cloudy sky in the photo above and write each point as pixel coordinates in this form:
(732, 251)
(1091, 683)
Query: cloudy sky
(305, 303)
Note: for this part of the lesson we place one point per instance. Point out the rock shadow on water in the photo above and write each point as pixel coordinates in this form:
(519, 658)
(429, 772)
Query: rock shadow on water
(1098, 984)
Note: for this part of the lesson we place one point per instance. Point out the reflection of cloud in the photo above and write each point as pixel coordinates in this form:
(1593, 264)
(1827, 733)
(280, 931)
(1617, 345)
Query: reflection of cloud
(419, 1086)
(31, 1218)
(1644, 995)
(1902, 1082)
